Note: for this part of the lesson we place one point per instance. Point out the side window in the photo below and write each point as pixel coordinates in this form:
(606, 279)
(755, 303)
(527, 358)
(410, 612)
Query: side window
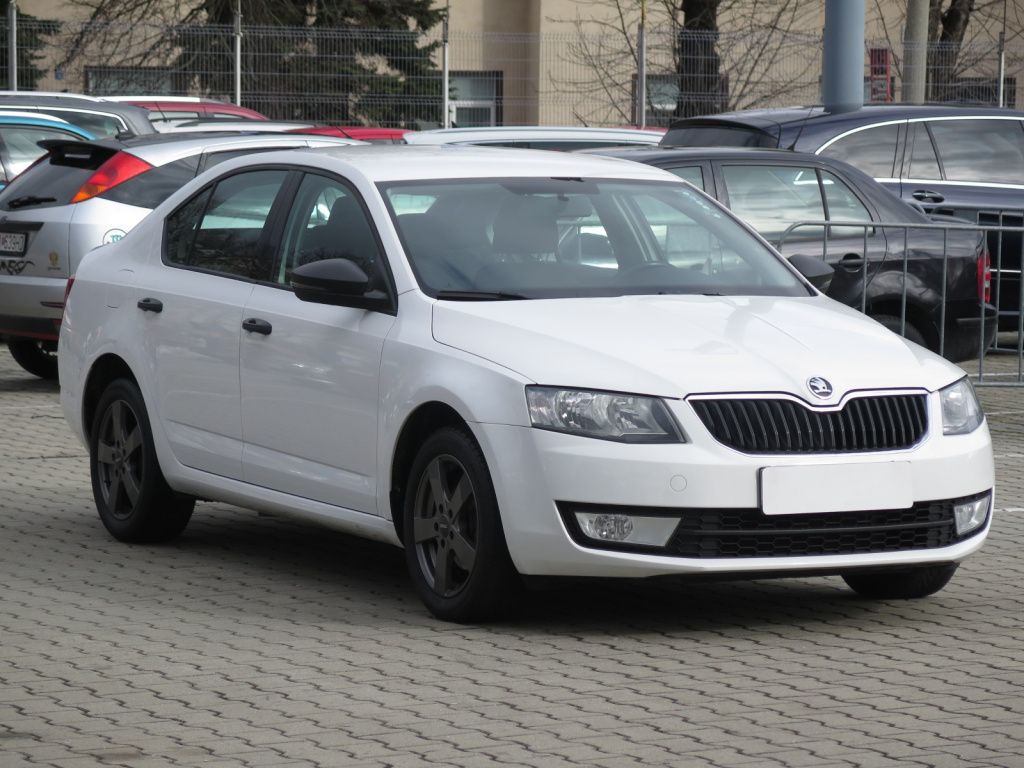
(873, 150)
(923, 163)
(690, 173)
(326, 221)
(772, 197)
(101, 126)
(980, 150)
(843, 205)
(222, 230)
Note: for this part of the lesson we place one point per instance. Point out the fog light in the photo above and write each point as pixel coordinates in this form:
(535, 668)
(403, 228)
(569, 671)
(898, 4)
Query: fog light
(971, 514)
(628, 529)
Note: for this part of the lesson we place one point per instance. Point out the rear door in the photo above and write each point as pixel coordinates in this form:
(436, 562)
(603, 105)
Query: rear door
(217, 248)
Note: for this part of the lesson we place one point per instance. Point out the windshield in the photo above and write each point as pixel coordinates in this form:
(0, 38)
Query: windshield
(512, 238)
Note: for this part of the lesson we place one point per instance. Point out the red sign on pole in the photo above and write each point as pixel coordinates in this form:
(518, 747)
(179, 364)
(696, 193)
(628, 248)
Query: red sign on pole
(881, 82)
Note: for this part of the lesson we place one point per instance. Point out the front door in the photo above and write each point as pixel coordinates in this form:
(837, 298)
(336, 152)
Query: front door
(309, 372)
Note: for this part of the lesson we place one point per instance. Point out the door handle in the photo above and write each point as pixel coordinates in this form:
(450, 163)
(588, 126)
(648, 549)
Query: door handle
(927, 196)
(150, 305)
(256, 325)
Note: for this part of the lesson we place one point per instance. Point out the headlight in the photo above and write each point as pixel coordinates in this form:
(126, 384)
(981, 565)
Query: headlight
(605, 415)
(961, 411)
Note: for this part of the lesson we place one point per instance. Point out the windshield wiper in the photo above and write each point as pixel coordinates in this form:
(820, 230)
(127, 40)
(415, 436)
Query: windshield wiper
(480, 296)
(22, 202)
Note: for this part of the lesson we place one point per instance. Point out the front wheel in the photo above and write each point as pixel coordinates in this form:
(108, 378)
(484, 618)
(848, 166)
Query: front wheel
(133, 499)
(901, 585)
(37, 356)
(454, 544)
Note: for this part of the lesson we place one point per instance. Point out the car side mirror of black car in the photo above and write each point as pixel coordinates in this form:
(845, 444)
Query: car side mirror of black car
(339, 282)
(818, 273)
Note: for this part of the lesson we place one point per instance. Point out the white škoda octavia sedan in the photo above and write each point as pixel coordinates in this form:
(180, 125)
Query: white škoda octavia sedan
(517, 364)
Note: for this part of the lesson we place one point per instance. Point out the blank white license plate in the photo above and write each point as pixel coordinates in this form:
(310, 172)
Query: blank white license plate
(811, 488)
(12, 242)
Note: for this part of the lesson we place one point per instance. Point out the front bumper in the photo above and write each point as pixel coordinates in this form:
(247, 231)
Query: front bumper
(537, 472)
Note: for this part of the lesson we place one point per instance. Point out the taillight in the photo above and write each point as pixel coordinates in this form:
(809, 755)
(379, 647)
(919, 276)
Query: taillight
(116, 170)
(985, 278)
(67, 289)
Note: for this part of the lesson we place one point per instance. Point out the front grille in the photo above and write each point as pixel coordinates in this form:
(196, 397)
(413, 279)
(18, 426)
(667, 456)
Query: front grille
(754, 425)
(706, 534)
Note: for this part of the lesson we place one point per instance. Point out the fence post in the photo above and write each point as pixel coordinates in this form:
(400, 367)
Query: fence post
(12, 45)
(446, 118)
(238, 54)
(641, 77)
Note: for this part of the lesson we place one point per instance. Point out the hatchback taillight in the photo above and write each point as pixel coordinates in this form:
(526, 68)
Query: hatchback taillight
(116, 170)
(67, 289)
(985, 278)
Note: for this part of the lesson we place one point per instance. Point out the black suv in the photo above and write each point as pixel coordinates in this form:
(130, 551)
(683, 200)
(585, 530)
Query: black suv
(966, 162)
(772, 190)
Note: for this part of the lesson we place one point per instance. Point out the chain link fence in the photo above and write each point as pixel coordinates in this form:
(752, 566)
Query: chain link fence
(395, 78)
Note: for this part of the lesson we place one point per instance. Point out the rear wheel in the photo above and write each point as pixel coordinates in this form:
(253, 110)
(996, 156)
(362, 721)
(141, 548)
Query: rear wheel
(133, 499)
(910, 331)
(37, 356)
(903, 584)
(454, 544)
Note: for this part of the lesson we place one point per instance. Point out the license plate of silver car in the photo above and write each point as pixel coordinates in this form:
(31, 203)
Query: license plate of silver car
(12, 242)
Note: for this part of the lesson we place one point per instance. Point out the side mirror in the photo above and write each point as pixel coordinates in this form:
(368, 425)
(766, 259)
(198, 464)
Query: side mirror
(339, 282)
(818, 273)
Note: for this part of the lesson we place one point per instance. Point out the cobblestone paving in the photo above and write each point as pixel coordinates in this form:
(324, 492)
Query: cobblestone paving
(257, 642)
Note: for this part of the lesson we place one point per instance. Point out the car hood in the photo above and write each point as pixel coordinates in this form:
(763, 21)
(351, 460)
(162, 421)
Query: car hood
(674, 346)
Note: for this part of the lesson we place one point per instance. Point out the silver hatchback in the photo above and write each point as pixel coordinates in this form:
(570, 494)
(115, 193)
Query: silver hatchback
(84, 194)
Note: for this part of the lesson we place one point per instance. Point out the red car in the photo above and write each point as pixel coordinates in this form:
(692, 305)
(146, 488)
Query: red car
(166, 109)
(361, 132)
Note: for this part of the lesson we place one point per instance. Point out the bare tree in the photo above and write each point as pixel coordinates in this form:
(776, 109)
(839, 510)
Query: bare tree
(703, 56)
(963, 41)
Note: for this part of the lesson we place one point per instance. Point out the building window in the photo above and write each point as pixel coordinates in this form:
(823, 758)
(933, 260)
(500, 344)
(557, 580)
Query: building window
(475, 99)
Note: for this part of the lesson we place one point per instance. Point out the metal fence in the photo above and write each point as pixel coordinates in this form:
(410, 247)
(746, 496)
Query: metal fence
(397, 78)
(996, 356)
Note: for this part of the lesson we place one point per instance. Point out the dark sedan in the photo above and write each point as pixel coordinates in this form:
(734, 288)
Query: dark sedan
(773, 189)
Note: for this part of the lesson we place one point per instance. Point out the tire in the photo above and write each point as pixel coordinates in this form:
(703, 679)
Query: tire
(37, 356)
(901, 585)
(454, 544)
(910, 333)
(134, 501)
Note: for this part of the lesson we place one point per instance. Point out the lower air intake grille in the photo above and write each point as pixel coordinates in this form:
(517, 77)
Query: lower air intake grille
(755, 425)
(727, 533)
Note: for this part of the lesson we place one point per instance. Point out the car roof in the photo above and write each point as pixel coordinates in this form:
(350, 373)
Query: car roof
(790, 124)
(530, 132)
(136, 118)
(40, 120)
(162, 148)
(645, 154)
(409, 162)
(241, 124)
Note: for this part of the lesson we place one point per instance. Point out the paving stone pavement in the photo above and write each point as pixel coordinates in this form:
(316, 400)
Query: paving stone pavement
(254, 642)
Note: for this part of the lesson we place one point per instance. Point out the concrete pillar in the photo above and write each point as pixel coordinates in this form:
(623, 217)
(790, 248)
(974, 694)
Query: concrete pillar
(842, 80)
(915, 52)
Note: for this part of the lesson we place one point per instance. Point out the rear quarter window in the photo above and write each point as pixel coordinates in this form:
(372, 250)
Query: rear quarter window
(872, 150)
(149, 189)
